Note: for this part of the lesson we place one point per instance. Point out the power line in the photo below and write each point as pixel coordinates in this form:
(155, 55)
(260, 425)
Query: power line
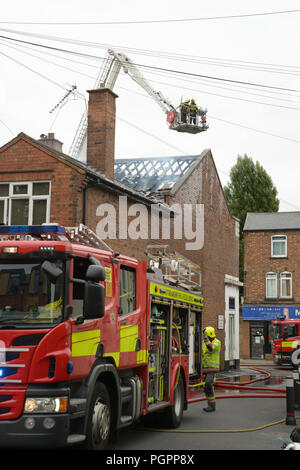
(207, 92)
(176, 20)
(47, 61)
(156, 68)
(163, 54)
(7, 44)
(255, 130)
(3, 123)
(34, 71)
(225, 121)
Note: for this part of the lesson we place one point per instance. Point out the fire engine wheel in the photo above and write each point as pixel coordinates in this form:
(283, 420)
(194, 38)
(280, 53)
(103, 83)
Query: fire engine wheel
(174, 413)
(99, 419)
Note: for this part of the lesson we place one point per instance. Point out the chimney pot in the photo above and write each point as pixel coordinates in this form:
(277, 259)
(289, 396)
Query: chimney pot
(51, 141)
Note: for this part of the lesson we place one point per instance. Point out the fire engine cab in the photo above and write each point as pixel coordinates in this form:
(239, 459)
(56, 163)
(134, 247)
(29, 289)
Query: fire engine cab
(285, 339)
(90, 340)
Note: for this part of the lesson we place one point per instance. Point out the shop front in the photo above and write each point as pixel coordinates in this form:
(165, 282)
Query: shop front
(259, 318)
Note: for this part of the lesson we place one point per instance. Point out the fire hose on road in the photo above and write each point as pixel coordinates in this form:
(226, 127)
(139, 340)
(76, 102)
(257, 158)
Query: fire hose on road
(256, 392)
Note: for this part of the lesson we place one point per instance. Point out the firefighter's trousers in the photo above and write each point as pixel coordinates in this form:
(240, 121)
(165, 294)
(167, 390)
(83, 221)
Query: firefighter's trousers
(209, 390)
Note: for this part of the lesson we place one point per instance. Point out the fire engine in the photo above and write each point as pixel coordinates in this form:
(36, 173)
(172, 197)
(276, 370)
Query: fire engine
(285, 340)
(90, 340)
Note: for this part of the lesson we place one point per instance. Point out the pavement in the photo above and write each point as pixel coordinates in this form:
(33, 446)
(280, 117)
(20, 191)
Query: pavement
(244, 420)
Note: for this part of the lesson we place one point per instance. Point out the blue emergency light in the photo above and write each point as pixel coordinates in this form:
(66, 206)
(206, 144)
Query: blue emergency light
(32, 229)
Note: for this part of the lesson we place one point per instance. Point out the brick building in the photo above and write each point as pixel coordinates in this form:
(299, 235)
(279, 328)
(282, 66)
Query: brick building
(271, 276)
(39, 183)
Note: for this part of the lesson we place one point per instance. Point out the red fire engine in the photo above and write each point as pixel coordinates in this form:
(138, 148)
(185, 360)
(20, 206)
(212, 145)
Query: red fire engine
(285, 339)
(90, 340)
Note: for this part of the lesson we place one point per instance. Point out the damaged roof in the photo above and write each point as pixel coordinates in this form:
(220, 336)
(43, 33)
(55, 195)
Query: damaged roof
(155, 174)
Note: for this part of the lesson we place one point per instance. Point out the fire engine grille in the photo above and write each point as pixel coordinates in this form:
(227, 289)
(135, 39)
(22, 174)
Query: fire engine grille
(28, 340)
(11, 404)
(4, 398)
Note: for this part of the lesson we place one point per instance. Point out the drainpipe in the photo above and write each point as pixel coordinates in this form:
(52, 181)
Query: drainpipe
(84, 206)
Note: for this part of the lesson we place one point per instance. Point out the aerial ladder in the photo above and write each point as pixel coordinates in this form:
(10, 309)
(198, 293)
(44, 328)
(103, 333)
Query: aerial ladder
(182, 118)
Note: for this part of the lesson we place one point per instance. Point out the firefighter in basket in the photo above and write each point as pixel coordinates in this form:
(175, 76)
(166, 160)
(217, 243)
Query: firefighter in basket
(211, 348)
(193, 112)
(185, 110)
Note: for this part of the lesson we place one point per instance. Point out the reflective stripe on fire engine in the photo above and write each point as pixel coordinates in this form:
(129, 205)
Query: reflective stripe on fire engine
(142, 357)
(115, 356)
(85, 343)
(289, 344)
(128, 338)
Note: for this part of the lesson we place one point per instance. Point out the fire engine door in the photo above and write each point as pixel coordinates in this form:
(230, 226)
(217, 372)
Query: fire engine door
(85, 335)
(129, 318)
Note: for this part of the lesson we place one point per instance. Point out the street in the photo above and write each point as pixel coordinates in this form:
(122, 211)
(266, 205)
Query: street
(238, 424)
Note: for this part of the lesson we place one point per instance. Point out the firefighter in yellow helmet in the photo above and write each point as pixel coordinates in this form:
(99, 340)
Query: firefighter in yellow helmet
(184, 109)
(193, 111)
(211, 348)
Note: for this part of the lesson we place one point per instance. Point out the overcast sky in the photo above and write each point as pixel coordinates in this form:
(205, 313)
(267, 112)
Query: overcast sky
(261, 50)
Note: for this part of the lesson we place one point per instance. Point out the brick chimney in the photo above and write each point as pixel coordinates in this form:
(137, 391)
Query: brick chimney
(101, 131)
(51, 141)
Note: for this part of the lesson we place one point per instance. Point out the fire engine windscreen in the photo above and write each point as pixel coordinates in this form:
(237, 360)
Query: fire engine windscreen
(31, 293)
(284, 331)
(275, 332)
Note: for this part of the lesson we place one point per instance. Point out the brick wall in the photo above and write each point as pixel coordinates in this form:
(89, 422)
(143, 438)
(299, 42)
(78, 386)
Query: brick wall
(22, 160)
(258, 262)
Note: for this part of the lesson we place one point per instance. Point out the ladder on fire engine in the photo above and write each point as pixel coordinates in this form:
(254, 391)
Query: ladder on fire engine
(85, 236)
(176, 269)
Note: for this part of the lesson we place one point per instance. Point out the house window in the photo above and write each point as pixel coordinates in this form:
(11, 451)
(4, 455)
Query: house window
(286, 284)
(279, 246)
(25, 203)
(127, 290)
(271, 285)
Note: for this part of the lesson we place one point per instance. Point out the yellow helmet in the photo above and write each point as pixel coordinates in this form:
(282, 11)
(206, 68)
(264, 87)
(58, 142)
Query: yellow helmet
(209, 330)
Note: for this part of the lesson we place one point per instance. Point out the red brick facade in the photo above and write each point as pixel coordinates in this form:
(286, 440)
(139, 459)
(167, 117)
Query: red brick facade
(258, 261)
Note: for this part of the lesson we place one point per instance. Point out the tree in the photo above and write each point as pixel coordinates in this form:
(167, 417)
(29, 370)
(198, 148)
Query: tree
(250, 189)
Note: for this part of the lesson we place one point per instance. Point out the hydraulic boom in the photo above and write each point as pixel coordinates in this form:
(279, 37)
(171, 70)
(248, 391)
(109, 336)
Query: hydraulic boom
(183, 118)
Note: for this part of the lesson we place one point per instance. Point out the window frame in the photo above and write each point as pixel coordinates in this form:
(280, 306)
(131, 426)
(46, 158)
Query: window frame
(283, 276)
(128, 268)
(7, 216)
(275, 277)
(272, 246)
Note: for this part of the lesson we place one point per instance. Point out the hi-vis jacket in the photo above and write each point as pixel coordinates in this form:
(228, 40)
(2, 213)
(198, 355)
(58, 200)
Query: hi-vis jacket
(211, 357)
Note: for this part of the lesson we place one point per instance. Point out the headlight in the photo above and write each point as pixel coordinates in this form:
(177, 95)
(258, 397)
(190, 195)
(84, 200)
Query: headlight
(45, 405)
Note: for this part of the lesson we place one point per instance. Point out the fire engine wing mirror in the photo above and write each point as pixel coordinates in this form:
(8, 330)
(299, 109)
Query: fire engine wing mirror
(95, 273)
(94, 300)
(52, 270)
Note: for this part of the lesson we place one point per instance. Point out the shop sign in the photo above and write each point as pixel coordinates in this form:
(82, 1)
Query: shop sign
(269, 312)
